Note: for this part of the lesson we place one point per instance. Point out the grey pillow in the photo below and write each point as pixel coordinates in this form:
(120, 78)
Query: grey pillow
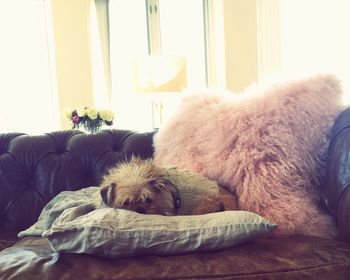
(111, 232)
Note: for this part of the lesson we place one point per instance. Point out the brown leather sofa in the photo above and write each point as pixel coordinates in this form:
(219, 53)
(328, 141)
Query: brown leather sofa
(33, 169)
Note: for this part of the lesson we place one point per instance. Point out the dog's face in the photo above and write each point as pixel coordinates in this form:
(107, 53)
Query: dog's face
(138, 185)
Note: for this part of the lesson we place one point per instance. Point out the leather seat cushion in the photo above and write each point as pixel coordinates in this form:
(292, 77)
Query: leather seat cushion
(268, 258)
(7, 238)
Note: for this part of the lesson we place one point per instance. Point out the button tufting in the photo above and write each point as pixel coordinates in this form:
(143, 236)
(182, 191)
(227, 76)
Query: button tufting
(3, 150)
(116, 148)
(60, 151)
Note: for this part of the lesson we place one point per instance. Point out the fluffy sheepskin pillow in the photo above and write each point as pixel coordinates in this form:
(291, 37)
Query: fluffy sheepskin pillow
(266, 146)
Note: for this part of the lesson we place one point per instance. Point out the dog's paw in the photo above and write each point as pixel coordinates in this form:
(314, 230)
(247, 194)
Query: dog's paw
(223, 201)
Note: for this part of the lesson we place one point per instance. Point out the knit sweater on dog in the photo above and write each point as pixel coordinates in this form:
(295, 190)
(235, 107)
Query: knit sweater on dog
(192, 189)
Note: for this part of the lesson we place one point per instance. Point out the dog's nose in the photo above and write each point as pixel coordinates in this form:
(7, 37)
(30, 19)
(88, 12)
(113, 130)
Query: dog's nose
(141, 210)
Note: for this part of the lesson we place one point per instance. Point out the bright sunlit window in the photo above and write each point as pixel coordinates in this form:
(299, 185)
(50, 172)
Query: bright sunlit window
(28, 99)
(100, 67)
(128, 40)
(182, 33)
(138, 28)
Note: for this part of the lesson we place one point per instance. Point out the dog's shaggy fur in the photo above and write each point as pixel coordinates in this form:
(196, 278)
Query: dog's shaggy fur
(268, 146)
(141, 186)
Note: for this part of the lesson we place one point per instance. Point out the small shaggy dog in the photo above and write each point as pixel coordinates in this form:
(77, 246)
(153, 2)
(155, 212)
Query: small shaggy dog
(141, 186)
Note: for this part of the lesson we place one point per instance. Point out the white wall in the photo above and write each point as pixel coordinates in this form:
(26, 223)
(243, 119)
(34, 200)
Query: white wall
(71, 22)
(240, 32)
(315, 38)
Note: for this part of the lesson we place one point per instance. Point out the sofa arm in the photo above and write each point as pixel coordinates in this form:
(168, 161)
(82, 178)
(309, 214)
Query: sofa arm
(336, 188)
(343, 214)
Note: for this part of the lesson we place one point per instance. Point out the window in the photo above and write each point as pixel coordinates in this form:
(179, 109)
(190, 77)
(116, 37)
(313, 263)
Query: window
(27, 89)
(128, 40)
(138, 28)
(182, 33)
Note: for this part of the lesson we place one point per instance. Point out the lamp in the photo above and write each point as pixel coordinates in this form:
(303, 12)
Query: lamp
(159, 74)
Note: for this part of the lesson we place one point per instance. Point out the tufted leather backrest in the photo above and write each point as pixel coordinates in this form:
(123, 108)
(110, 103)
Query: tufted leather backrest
(34, 169)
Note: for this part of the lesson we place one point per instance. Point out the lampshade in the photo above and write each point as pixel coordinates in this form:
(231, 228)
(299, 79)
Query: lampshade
(159, 74)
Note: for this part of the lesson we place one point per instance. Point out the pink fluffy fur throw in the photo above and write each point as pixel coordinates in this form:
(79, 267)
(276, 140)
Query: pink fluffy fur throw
(267, 146)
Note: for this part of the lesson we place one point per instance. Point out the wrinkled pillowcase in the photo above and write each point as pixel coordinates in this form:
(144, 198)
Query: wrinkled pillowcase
(111, 232)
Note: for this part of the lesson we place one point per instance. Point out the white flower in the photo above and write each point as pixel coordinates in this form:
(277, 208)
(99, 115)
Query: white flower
(81, 111)
(106, 115)
(91, 113)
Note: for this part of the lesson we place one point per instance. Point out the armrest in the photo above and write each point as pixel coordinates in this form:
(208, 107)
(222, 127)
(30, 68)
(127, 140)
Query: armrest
(336, 187)
(343, 214)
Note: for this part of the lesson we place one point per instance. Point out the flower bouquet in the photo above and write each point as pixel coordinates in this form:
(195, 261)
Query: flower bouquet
(89, 118)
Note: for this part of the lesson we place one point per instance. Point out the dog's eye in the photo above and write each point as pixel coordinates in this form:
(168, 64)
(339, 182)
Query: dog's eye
(153, 183)
(155, 187)
(148, 200)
